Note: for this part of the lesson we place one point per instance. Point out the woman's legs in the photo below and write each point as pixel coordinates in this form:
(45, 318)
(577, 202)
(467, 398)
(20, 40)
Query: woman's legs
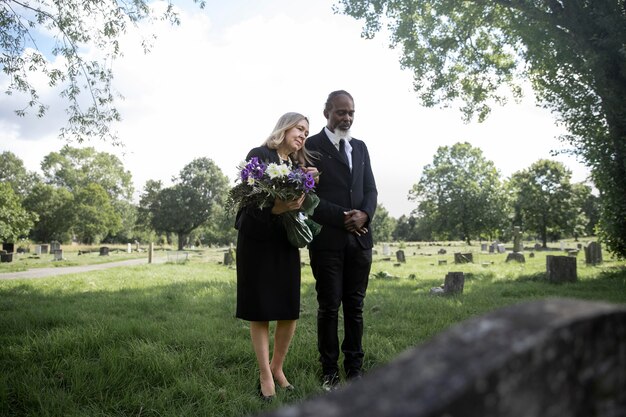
(282, 339)
(259, 333)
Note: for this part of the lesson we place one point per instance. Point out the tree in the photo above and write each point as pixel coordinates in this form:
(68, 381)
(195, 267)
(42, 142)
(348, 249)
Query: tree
(544, 199)
(190, 202)
(382, 225)
(15, 221)
(76, 168)
(73, 26)
(54, 208)
(94, 215)
(460, 193)
(12, 171)
(588, 210)
(572, 52)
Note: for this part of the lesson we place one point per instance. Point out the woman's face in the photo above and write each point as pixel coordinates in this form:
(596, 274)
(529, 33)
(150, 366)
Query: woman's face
(295, 137)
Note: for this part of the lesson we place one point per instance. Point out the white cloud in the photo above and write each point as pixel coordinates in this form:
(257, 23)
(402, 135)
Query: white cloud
(214, 86)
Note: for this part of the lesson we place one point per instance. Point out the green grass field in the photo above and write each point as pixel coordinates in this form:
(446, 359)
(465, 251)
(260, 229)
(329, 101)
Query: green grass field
(162, 340)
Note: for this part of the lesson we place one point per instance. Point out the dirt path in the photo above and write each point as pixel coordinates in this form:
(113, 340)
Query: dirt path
(64, 270)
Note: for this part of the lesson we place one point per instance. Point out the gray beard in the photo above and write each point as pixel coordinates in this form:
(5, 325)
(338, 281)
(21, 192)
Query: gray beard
(342, 134)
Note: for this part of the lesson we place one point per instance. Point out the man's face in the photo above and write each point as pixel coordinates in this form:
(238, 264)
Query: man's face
(341, 114)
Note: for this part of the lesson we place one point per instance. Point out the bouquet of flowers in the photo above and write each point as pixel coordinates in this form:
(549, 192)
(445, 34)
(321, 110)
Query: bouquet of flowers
(260, 183)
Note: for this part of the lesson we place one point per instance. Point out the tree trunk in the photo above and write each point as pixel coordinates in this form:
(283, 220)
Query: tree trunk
(181, 240)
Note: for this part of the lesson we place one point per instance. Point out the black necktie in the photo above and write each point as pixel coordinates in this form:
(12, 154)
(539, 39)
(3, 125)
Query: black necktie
(342, 151)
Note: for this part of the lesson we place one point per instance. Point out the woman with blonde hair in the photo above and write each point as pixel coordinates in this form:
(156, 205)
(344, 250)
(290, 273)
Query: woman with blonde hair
(268, 266)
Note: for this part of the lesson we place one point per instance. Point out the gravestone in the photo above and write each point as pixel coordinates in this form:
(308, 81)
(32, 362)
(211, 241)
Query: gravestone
(562, 244)
(37, 249)
(442, 251)
(8, 247)
(501, 248)
(463, 258)
(44, 249)
(58, 254)
(572, 252)
(54, 245)
(483, 247)
(386, 249)
(104, 251)
(547, 358)
(561, 269)
(5, 256)
(538, 246)
(229, 257)
(492, 248)
(176, 256)
(400, 256)
(593, 253)
(442, 262)
(129, 248)
(453, 283)
(516, 256)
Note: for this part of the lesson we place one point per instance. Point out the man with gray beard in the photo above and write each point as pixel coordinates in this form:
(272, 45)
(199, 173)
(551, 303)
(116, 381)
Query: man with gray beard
(341, 254)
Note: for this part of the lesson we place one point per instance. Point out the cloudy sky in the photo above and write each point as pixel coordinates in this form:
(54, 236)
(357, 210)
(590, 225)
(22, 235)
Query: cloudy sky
(215, 86)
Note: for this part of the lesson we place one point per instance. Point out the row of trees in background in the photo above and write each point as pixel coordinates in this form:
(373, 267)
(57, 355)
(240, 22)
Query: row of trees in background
(460, 195)
(87, 196)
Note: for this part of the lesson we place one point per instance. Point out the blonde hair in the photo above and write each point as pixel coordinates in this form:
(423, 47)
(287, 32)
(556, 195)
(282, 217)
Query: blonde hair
(286, 122)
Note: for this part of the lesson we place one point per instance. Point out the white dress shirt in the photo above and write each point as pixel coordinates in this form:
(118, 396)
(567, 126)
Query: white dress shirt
(335, 141)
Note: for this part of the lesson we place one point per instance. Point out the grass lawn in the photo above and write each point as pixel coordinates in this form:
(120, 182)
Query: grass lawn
(162, 340)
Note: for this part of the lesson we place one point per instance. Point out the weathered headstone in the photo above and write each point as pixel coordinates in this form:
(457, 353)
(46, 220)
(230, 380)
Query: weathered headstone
(129, 248)
(104, 251)
(538, 246)
(483, 247)
(492, 248)
(386, 249)
(6, 256)
(44, 249)
(572, 252)
(561, 269)
(229, 257)
(453, 283)
(516, 256)
(501, 248)
(57, 254)
(442, 262)
(562, 244)
(463, 258)
(400, 256)
(593, 253)
(54, 246)
(8, 247)
(442, 251)
(545, 358)
(37, 249)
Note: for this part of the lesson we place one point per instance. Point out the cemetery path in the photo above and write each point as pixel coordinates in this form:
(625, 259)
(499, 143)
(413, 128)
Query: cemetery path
(65, 270)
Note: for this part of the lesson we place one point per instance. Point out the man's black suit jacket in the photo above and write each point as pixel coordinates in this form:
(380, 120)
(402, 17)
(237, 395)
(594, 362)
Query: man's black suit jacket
(341, 190)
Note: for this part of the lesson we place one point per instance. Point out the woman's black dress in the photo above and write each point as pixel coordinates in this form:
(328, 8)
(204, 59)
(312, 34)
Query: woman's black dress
(268, 266)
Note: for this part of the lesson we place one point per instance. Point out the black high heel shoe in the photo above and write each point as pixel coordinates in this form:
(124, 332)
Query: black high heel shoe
(265, 398)
(288, 387)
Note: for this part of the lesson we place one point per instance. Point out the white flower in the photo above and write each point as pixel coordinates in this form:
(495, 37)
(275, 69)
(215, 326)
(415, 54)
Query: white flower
(277, 170)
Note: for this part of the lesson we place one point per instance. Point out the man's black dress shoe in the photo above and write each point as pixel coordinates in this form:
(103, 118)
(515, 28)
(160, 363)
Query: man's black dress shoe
(330, 382)
(353, 374)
